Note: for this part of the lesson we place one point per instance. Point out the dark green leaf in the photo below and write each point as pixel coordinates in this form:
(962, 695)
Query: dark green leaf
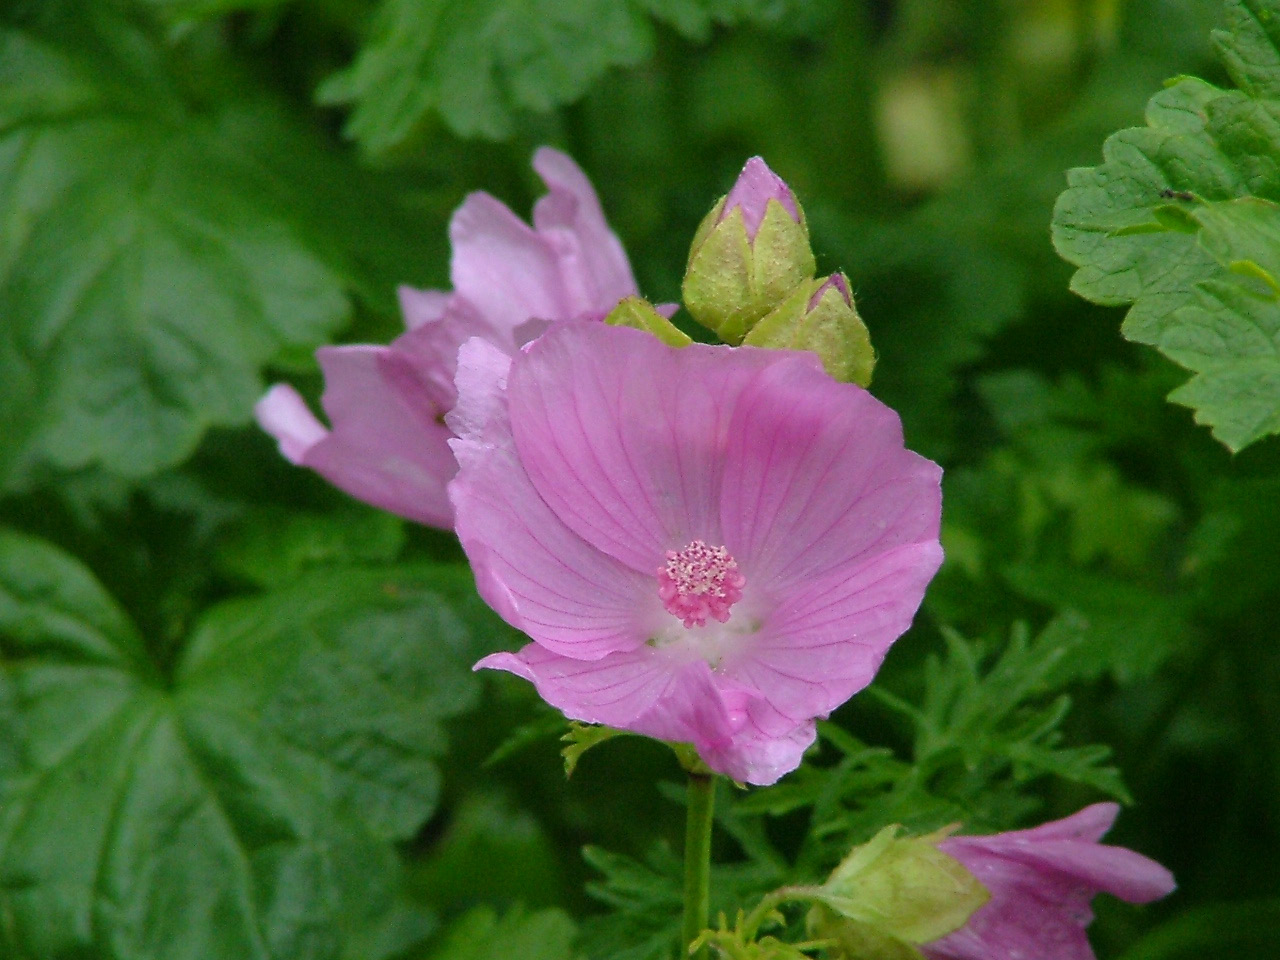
(483, 935)
(481, 64)
(245, 808)
(145, 270)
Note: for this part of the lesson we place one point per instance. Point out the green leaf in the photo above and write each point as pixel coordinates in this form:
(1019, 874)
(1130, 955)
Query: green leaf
(482, 935)
(1213, 931)
(165, 232)
(247, 806)
(479, 63)
(146, 271)
(491, 851)
(1128, 631)
(270, 546)
(999, 716)
(1180, 222)
(581, 738)
(482, 64)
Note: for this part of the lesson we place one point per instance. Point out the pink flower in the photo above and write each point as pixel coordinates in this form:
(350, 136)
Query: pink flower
(1041, 883)
(388, 443)
(706, 544)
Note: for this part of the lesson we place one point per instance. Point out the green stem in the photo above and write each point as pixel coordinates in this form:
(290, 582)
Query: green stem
(697, 857)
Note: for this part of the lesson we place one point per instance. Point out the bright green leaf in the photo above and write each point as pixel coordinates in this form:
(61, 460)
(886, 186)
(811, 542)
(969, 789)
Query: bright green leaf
(1202, 285)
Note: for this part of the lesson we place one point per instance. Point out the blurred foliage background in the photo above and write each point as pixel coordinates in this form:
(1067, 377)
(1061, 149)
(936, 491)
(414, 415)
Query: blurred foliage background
(238, 719)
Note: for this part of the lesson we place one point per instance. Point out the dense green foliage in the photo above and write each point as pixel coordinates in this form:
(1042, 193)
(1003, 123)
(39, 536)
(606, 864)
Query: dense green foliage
(237, 718)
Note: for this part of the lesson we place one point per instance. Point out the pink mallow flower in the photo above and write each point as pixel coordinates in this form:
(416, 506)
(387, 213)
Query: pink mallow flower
(706, 544)
(388, 444)
(1041, 883)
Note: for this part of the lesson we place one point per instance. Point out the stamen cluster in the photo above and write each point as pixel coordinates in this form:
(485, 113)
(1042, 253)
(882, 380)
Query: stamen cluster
(700, 581)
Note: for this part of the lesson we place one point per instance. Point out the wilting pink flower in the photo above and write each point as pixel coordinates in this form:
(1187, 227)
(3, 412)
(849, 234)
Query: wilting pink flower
(388, 443)
(706, 544)
(1041, 883)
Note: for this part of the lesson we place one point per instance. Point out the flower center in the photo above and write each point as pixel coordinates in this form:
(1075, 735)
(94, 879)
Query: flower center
(699, 582)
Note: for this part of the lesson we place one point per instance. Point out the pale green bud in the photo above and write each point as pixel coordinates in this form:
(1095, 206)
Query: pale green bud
(640, 314)
(892, 894)
(749, 253)
(819, 315)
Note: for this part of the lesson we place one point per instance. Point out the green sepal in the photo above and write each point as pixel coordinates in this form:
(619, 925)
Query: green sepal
(580, 738)
(893, 894)
(732, 281)
(638, 313)
(832, 329)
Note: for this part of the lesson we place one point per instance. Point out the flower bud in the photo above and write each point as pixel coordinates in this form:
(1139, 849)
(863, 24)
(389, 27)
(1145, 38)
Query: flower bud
(749, 253)
(640, 313)
(819, 316)
(892, 894)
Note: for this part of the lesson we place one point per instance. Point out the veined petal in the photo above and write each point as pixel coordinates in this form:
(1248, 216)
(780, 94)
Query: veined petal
(825, 642)
(1068, 850)
(538, 574)
(1042, 882)
(503, 267)
(649, 691)
(386, 446)
(624, 437)
(816, 480)
(593, 264)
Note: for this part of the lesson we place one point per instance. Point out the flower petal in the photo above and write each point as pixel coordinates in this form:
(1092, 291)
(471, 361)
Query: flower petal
(422, 306)
(824, 643)
(538, 574)
(284, 414)
(624, 437)
(648, 691)
(508, 272)
(593, 264)
(386, 447)
(1042, 882)
(816, 480)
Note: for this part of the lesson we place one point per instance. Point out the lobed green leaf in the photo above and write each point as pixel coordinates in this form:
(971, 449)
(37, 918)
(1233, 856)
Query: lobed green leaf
(1180, 223)
(246, 806)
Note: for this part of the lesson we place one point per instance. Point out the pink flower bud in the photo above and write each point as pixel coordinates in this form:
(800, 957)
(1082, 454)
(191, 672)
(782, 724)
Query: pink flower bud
(755, 187)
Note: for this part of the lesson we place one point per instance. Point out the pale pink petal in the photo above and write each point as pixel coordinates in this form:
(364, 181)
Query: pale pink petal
(824, 642)
(651, 692)
(386, 446)
(422, 306)
(538, 574)
(433, 346)
(816, 480)
(624, 437)
(755, 187)
(503, 268)
(284, 414)
(593, 264)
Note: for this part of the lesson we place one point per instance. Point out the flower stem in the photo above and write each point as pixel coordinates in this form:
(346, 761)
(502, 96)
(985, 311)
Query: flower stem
(697, 856)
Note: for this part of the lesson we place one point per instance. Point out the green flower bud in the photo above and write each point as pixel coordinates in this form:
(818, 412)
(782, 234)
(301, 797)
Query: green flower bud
(819, 315)
(749, 253)
(640, 313)
(892, 894)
